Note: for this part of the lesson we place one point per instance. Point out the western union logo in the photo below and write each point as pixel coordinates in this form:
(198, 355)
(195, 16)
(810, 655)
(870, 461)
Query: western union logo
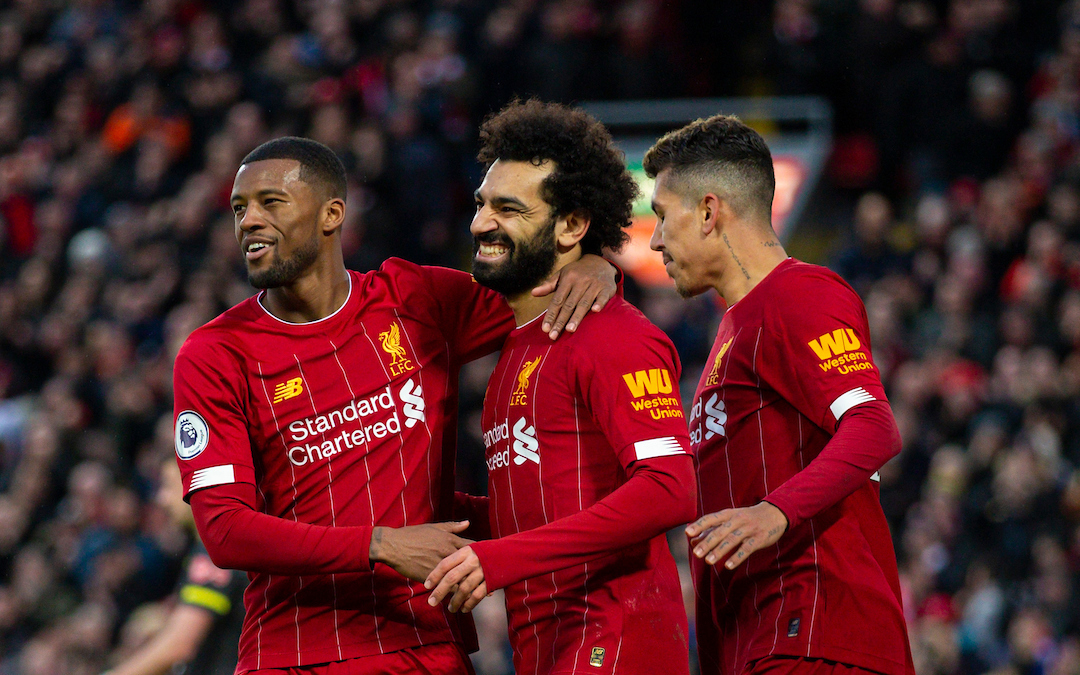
(840, 341)
(287, 390)
(714, 374)
(653, 381)
(840, 350)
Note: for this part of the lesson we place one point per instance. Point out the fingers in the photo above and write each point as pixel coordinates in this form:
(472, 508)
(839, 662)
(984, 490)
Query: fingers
(585, 302)
(707, 522)
(547, 286)
(556, 310)
(451, 578)
(568, 314)
(475, 597)
(465, 590)
(453, 526)
(749, 546)
(606, 293)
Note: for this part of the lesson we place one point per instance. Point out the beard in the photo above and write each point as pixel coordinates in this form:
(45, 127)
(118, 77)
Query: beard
(525, 266)
(284, 271)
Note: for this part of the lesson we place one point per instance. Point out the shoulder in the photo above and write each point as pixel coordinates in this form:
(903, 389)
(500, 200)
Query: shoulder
(225, 334)
(800, 288)
(617, 328)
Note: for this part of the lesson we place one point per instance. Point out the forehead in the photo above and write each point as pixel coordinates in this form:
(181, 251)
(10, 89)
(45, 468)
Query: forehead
(269, 174)
(522, 180)
(668, 190)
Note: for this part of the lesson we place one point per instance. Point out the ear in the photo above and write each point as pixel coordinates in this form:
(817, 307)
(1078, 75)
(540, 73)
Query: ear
(713, 213)
(333, 216)
(572, 229)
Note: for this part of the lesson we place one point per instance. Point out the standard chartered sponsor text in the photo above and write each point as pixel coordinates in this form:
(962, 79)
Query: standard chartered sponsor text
(355, 424)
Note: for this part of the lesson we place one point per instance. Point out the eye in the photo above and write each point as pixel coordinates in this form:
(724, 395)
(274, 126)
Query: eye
(237, 209)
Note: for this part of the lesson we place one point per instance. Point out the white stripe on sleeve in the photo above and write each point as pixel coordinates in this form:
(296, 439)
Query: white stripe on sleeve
(212, 475)
(658, 447)
(848, 400)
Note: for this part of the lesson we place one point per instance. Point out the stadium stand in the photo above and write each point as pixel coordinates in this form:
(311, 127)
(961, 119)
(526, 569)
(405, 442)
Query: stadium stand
(954, 193)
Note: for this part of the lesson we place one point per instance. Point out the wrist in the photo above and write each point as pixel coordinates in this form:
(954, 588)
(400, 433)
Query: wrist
(376, 548)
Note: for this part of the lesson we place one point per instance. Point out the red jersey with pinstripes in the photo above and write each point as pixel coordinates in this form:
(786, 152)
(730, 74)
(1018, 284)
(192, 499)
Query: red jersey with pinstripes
(345, 421)
(565, 424)
(789, 360)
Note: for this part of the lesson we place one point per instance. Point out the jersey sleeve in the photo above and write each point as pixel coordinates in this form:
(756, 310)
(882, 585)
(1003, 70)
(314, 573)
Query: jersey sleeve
(817, 352)
(630, 386)
(474, 318)
(210, 427)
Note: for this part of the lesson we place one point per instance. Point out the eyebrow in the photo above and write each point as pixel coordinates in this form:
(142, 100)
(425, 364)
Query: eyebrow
(500, 200)
(262, 193)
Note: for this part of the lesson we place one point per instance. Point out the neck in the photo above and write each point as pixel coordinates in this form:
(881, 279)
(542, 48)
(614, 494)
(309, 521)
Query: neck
(749, 253)
(315, 295)
(525, 305)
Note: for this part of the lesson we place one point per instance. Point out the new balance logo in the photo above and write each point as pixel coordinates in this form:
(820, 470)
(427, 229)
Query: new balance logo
(654, 381)
(839, 341)
(287, 390)
(412, 396)
(526, 447)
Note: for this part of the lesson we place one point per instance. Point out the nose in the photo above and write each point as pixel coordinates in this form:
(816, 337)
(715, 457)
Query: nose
(483, 221)
(250, 220)
(656, 241)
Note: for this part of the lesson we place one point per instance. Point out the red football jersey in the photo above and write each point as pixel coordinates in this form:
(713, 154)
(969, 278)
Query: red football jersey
(566, 424)
(789, 360)
(346, 421)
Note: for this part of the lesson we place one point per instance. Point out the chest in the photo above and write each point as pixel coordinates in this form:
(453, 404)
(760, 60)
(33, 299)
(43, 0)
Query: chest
(368, 382)
(734, 384)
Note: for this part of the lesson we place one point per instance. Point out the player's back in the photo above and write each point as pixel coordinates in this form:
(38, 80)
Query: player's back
(552, 451)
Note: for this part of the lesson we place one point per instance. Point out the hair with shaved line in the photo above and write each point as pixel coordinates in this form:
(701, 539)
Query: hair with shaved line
(717, 154)
(320, 167)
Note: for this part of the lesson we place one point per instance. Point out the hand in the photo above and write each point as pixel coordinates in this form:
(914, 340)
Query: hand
(461, 573)
(414, 551)
(581, 285)
(719, 534)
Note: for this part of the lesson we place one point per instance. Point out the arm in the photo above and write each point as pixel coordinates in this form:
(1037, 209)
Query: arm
(660, 494)
(865, 439)
(474, 509)
(177, 642)
(238, 537)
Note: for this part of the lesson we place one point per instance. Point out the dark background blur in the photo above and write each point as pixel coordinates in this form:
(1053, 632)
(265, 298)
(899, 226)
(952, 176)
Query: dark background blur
(951, 202)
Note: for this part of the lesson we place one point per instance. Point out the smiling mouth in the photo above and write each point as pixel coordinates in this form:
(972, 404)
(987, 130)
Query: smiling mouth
(256, 250)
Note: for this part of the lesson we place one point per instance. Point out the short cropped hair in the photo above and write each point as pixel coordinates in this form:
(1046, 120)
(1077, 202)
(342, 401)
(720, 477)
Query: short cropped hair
(320, 167)
(719, 151)
(590, 173)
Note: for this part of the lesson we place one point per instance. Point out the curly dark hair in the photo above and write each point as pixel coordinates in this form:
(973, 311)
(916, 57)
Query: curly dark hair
(320, 167)
(590, 172)
(718, 146)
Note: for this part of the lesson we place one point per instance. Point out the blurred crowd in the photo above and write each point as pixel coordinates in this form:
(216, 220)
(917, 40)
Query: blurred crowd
(954, 186)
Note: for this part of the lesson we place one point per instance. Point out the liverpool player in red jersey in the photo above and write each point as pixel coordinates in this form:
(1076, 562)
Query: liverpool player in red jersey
(587, 451)
(320, 414)
(793, 562)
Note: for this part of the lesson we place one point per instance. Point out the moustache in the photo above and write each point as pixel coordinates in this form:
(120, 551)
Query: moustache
(492, 238)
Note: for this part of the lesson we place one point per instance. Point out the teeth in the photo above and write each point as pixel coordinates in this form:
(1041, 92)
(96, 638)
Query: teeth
(492, 250)
(256, 246)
